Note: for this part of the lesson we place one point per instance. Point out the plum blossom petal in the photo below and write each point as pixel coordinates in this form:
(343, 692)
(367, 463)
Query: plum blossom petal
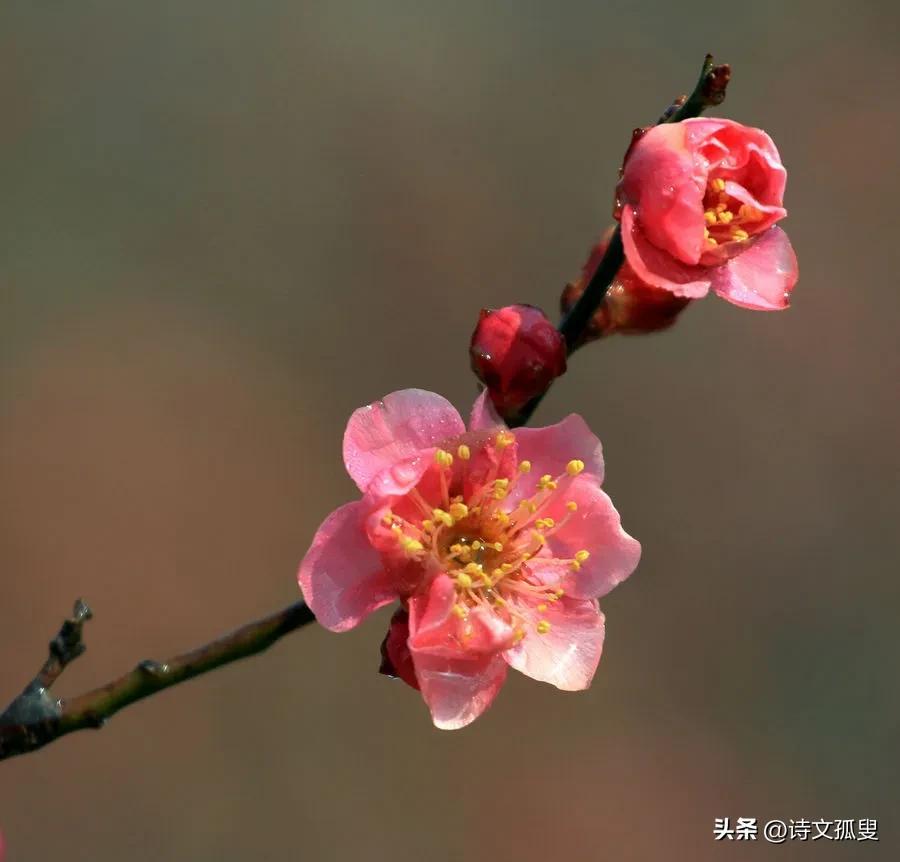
(658, 268)
(567, 655)
(763, 276)
(551, 448)
(396, 429)
(484, 416)
(436, 630)
(341, 576)
(665, 183)
(458, 690)
(595, 527)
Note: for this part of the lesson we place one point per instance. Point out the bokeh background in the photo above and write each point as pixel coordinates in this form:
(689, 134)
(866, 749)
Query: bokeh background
(225, 225)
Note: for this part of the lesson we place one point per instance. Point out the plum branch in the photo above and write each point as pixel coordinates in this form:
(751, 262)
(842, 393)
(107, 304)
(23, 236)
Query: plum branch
(36, 718)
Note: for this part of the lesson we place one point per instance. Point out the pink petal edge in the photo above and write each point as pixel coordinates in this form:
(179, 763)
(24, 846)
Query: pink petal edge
(484, 416)
(457, 691)
(396, 429)
(568, 654)
(657, 267)
(341, 576)
(762, 277)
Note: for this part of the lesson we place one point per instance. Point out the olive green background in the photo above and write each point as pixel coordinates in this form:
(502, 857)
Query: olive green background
(224, 226)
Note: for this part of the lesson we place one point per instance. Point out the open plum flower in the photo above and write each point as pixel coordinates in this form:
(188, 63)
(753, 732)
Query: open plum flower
(497, 544)
(698, 202)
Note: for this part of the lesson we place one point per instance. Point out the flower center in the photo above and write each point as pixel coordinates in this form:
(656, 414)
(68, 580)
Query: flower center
(485, 542)
(727, 219)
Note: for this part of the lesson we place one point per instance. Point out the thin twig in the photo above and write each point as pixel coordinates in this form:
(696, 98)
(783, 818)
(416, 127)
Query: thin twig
(34, 719)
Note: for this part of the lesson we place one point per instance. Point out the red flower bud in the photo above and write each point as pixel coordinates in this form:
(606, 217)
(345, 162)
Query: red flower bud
(396, 659)
(631, 306)
(516, 352)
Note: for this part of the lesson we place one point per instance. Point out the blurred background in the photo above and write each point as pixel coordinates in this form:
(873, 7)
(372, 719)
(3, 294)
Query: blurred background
(226, 225)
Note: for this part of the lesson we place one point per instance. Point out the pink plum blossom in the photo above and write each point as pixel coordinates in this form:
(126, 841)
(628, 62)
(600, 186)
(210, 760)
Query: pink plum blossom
(497, 544)
(698, 202)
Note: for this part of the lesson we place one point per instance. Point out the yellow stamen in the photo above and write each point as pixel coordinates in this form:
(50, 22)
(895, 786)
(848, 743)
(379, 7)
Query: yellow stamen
(504, 439)
(525, 466)
(582, 556)
(575, 566)
(726, 217)
(463, 580)
(411, 546)
(460, 611)
(459, 511)
(710, 217)
(443, 517)
(543, 627)
(718, 185)
(541, 608)
(546, 483)
(574, 467)
(572, 506)
(739, 234)
(464, 452)
(443, 458)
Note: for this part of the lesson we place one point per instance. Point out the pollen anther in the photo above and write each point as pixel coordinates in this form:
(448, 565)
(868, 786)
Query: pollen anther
(443, 458)
(459, 511)
(574, 467)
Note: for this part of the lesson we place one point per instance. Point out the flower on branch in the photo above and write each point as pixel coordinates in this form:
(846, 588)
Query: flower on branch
(497, 544)
(698, 202)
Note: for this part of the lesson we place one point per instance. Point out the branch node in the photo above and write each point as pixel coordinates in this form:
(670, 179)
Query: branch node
(154, 669)
(68, 644)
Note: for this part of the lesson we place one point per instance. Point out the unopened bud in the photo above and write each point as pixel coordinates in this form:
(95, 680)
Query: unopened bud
(631, 306)
(516, 352)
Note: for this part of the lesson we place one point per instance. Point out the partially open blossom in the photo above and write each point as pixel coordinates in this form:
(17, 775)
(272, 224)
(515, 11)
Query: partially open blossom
(698, 202)
(630, 306)
(497, 544)
(516, 352)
